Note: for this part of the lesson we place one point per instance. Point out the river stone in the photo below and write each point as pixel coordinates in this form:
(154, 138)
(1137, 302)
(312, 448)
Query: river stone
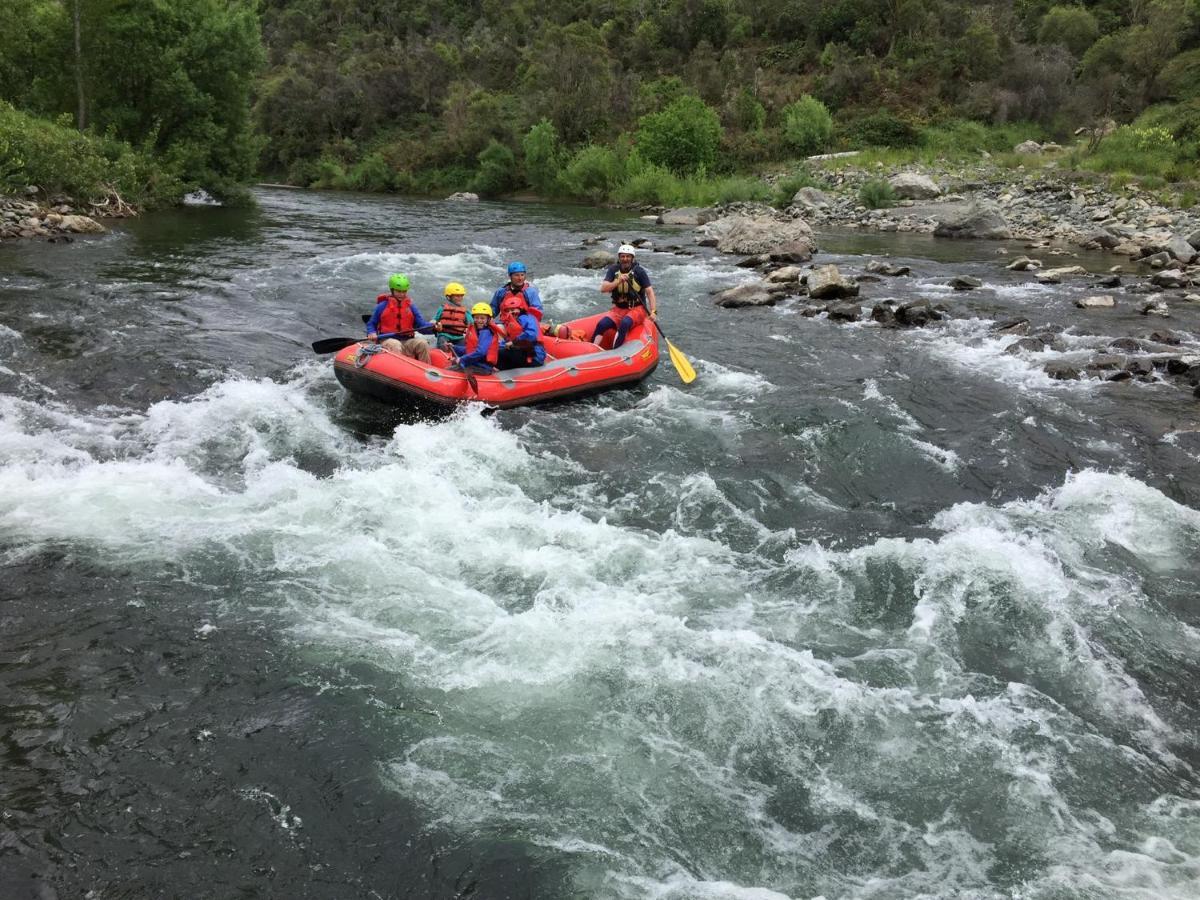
(464, 196)
(598, 259)
(760, 234)
(845, 312)
(879, 267)
(1109, 281)
(1026, 345)
(1126, 345)
(810, 198)
(1170, 278)
(979, 220)
(792, 252)
(1028, 148)
(81, 225)
(1024, 264)
(1158, 260)
(1054, 276)
(686, 215)
(964, 283)
(826, 282)
(1103, 238)
(1104, 362)
(1099, 301)
(1061, 371)
(1181, 365)
(1181, 249)
(885, 314)
(743, 295)
(914, 186)
(1155, 306)
(786, 274)
(1011, 326)
(1139, 367)
(1166, 336)
(1194, 239)
(917, 313)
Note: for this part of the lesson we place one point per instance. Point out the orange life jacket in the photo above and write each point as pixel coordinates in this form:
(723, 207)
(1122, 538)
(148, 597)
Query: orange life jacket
(397, 316)
(454, 318)
(493, 351)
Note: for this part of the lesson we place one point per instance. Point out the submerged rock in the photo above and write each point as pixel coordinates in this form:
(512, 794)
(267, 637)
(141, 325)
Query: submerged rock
(1026, 345)
(1011, 326)
(1061, 371)
(879, 267)
(965, 283)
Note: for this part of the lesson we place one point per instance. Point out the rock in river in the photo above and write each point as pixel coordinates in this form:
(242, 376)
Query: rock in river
(761, 234)
(826, 282)
(979, 220)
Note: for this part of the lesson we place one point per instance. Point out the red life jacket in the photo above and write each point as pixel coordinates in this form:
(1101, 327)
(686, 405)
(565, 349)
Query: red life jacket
(511, 308)
(493, 351)
(397, 316)
(454, 318)
(509, 293)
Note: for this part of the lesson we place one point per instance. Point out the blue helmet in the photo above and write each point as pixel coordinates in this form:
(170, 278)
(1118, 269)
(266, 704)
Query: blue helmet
(514, 267)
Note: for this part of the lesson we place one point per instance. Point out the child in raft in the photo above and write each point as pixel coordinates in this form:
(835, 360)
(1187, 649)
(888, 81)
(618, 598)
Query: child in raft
(452, 320)
(480, 350)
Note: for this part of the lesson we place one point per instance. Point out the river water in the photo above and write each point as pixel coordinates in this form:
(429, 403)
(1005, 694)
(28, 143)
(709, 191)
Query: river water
(858, 614)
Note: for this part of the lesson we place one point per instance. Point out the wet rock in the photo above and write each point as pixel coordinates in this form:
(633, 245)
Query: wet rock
(786, 274)
(1159, 260)
(1181, 249)
(809, 311)
(643, 244)
(914, 186)
(1181, 365)
(465, 196)
(826, 282)
(1191, 298)
(1109, 281)
(845, 312)
(754, 294)
(1026, 345)
(885, 314)
(1155, 306)
(917, 314)
(1055, 276)
(687, 215)
(81, 225)
(1126, 345)
(879, 267)
(1103, 239)
(1096, 302)
(706, 242)
(1061, 371)
(762, 233)
(1140, 367)
(1171, 278)
(598, 259)
(1104, 362)
(1122, 375)
(1194, 239)
(1165, 336)
(792, 252)
(1011, 326)
(1024, 264)
(979, 220)
(592, 240)
(965, 283)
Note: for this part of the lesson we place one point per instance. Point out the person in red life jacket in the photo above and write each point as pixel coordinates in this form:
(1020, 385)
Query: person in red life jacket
(396, 314)
(452, 319)
(522, 335)
(481, 344)
(518, 285)
(632, 297)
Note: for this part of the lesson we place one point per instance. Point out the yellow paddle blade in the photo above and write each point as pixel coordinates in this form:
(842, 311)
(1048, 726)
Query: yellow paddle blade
(686, 373)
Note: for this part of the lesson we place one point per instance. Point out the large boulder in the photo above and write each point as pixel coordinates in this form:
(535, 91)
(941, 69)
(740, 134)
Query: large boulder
(965, 283)
(81, 225)
(1194, 238)
(1181, 249)
(465, 196)
(979, 220)
(754, 294)
(914, 186)
(826, 282)
(810, 198)
(598, 259)
(764, 233)
(1170, 278)
(686, 215)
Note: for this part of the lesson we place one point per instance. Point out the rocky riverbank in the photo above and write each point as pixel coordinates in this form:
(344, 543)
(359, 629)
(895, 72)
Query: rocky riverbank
(55, 219)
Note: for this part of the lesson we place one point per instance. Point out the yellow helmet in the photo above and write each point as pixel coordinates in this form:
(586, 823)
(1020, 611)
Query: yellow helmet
(481, 309)
(454, 289)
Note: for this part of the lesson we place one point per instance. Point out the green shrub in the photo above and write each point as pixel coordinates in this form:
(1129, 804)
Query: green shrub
(371, 173)
(1141, 150)
(1072, 26)
(684, 137)
(807, 125)
(652, 185)
(747, 113)
(497, 170)
(1119, 180)
(881, 129)
(593, 173)
(787, 186)
(740, 187)
(543, 157)
(876, 194)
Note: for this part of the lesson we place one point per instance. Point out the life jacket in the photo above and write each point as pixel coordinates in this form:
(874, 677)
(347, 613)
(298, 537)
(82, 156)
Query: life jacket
(397, 316)
(454, 318)
(493, 350)
(512, 307)
(520, 295)
(629, 294)
(563, 332)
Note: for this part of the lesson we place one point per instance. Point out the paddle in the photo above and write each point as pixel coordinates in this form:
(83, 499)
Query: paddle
(333, 345)
(686, 373)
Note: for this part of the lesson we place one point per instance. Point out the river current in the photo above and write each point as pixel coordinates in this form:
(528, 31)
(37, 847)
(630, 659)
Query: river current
(860, 613)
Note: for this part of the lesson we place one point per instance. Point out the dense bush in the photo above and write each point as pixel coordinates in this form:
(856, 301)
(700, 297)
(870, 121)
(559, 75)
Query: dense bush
(684, 137)
(881, 129)
(543, 157)
(787, 186)
(592, 174)
(497, 171)
(807, 125)
(1072, 26)
(876, 194)
(1147, 151)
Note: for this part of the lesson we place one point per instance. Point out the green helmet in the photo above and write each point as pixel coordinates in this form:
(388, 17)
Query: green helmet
(398, 282)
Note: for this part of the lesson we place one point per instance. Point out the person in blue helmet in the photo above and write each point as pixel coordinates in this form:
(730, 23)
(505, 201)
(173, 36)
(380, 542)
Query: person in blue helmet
(518, 286)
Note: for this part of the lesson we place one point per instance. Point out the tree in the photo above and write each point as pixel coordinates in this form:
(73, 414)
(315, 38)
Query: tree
(684, 137)
(807, 125)
(1072, 26)
(543, 156)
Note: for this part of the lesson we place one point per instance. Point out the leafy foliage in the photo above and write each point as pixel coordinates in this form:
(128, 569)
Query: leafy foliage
(876, 194)
(684, 137)
(807, 125)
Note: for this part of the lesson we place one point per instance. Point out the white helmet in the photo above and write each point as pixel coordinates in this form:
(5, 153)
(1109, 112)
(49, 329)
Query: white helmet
(626, 248)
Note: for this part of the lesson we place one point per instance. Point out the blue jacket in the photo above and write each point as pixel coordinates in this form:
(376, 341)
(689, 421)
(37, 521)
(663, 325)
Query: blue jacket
(531, 331)
(532, 297)
(373, 323)
(477, 357)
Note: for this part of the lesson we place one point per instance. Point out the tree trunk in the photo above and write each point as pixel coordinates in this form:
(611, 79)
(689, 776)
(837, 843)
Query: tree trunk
(81, 114)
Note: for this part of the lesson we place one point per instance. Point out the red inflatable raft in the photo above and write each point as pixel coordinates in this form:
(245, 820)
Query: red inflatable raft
(572, 368)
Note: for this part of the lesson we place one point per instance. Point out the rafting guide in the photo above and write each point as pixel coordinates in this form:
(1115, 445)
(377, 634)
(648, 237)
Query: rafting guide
(632, 297)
